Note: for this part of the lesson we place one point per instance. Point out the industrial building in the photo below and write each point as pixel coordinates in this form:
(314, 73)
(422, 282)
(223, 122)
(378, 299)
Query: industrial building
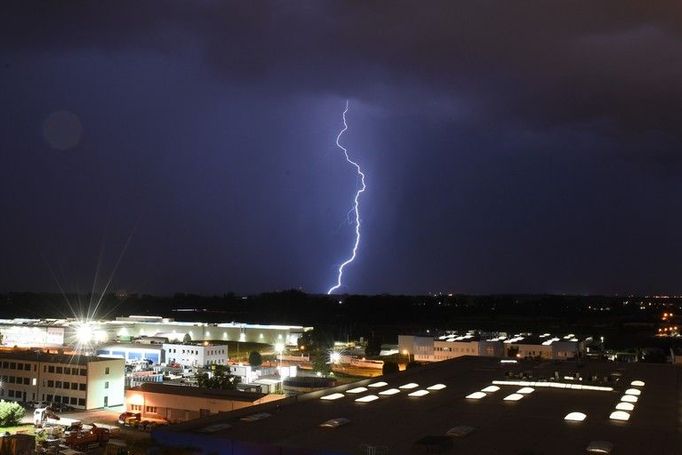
(180, 403)
(78, 381)
(46, 333)
(451, 346)
(196, 354)
(476, 405)
(132, 352)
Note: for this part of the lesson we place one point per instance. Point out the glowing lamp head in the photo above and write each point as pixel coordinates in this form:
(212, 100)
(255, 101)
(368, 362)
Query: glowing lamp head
(334, 357)
(279, 348)
(85, 333)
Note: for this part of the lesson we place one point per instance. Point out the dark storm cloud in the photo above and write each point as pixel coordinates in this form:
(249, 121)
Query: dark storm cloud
(539, 62)
(509, 146)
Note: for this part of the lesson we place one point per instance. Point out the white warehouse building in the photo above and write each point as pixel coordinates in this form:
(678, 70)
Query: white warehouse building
(196, 354)
(45, 333)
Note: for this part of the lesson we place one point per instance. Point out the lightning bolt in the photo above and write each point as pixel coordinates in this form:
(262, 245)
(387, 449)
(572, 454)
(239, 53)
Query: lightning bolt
(356, 204)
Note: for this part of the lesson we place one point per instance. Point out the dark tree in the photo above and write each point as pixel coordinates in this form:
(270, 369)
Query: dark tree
(390, 367)
(221, 379)
(373, 347)
(255, 359)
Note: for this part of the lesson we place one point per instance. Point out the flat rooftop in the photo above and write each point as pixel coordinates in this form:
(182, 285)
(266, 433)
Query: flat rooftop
(199, 392)
(534, 424)
(39, 356)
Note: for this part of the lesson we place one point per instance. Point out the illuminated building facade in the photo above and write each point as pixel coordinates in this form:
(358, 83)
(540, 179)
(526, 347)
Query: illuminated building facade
(78, 381)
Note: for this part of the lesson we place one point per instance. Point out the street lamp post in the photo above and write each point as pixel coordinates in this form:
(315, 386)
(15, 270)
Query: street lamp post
(279, 349)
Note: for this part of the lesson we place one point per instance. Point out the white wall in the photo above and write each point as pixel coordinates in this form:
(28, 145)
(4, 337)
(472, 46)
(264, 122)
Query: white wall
(109, 384)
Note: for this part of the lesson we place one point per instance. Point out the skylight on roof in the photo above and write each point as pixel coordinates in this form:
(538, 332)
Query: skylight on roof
(418, 393)
(409, 385)
(623, 406)
(357, 390)
(629, 398)
(476, 395)
(490, 389)
(525, 390)
(637, 383)
(333, 396)
(575, 417)
(436, 387)
(389, 392)
(555, 385)
(635, 392)
(378, 384)
(513, 397)
(367, 399)
(620, 415)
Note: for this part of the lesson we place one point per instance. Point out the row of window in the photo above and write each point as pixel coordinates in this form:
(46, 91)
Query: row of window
(455, 349)
(138, 407)
(66, 400)
(17, 366)
(16, 380)
(64, 385)
(64, 370)
(215, 352)
(189, 351)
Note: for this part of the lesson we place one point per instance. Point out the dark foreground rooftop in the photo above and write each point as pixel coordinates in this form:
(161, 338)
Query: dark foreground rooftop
(403, 424)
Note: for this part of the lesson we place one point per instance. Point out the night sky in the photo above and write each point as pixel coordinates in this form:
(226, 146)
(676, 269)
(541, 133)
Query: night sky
(509, 146)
